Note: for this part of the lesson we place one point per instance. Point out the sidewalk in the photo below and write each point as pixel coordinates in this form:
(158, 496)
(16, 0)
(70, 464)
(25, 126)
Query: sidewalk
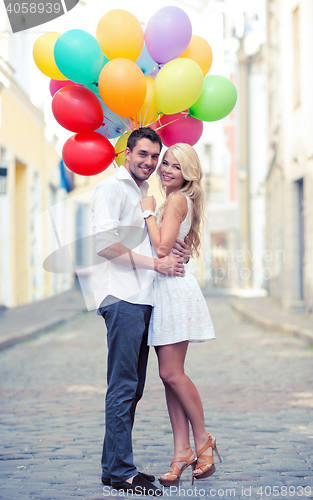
(266, 312)
(24, 322)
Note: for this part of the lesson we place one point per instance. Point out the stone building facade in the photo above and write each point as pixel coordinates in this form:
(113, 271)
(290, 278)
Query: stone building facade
(289, 182)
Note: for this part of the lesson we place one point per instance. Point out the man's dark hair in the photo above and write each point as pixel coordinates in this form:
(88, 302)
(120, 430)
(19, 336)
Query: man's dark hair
(143, 133)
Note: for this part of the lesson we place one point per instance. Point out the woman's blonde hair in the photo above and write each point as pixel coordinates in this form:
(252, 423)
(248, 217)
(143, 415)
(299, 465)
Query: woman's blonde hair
(192, 173)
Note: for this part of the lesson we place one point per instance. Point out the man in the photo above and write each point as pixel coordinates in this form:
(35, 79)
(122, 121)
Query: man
(124, 297)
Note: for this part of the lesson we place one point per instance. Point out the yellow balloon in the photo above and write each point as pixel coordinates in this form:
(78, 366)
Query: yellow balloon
(120, 35)
(148, 112)
(43, 54)
(178, 86)
(199, 50)
(120, 146)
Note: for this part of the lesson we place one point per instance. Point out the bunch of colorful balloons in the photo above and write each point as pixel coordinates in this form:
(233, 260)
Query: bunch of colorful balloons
(125, 78)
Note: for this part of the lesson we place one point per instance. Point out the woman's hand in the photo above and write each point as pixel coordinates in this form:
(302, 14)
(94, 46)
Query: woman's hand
(148, 203)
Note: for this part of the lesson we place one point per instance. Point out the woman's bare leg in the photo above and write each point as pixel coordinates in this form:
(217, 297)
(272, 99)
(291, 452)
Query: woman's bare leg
(183, 399)
(179, 422)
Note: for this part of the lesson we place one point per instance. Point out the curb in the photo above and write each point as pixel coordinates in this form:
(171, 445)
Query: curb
(33, 331)
(268, 324)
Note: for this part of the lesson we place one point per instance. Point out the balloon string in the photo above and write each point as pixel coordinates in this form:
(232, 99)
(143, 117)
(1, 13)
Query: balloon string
(152, 121)
(122, 119)
(133, 125)
(109, 120)
(106, 128)
(157, 120)
(169, 123)
(126, 125)
(147, 109)
(116, 127)
(149, 123)
(116, 154)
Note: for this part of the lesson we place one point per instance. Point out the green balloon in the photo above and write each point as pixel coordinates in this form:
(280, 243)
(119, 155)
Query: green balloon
(217, 99)
(79, 55)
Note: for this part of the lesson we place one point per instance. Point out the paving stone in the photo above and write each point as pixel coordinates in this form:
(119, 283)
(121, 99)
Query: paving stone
(101, 497)
(298, 473)
(246, 389)
(53, 494)
(7, 493)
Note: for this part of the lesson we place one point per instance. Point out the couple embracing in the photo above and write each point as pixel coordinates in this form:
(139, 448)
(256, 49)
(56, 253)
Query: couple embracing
(147, 299)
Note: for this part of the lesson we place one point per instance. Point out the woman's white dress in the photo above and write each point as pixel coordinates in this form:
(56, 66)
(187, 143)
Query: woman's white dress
(180, 311)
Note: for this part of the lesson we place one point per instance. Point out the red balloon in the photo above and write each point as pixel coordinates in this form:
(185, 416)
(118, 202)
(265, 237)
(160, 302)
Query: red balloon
(77, 109)
(88, 154)
(56, 85)
(180, 128)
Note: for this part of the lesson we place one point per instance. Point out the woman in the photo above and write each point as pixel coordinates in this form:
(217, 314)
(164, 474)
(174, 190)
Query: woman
(180, 314)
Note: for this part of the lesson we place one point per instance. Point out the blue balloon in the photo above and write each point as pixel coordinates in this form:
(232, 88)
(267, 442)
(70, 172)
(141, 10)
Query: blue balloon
(78, 56)
(113, 125)
(145, 61)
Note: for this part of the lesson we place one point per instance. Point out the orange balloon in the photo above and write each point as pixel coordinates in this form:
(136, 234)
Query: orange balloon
(148, 112)
(120, 35)
(122, 86)
(199, 50)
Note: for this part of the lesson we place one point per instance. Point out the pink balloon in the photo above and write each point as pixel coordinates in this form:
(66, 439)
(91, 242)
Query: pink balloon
(180, 128)
(56, 85)
(168, 34)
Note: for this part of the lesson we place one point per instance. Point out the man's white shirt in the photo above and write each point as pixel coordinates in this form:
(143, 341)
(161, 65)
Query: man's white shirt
(117, 218)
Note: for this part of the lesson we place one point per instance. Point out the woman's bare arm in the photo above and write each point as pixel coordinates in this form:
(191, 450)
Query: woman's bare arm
(163, 239)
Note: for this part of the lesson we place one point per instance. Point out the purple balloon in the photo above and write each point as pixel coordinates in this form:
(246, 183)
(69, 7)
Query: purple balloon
(168, 34)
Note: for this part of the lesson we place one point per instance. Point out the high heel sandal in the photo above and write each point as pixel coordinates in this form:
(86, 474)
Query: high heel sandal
(173, 476)
(207, 466)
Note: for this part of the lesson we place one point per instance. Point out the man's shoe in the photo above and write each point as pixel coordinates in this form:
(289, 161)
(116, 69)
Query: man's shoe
(107, 481)
(139, 486)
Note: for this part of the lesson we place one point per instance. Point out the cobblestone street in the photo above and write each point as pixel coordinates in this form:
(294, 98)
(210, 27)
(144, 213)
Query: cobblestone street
(257, 391)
